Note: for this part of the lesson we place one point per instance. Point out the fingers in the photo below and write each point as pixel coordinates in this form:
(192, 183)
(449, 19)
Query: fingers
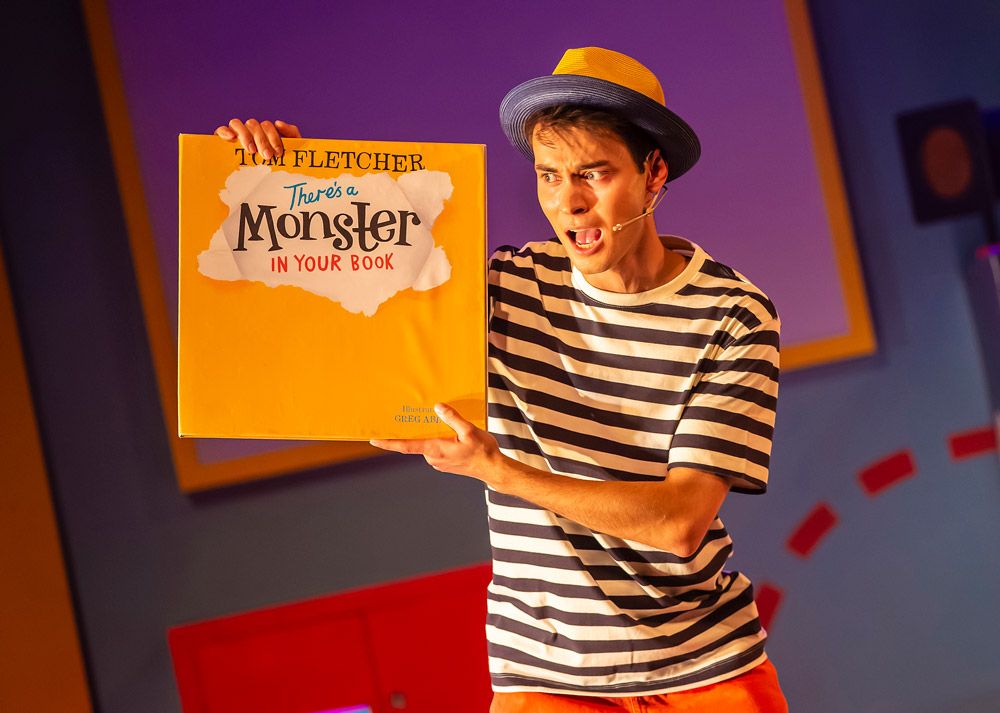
(262, 136)
(462, 428)
(289, 131)
(243, 134)
(273, 139)
(261, 139)
(402, 446)
(397, 446)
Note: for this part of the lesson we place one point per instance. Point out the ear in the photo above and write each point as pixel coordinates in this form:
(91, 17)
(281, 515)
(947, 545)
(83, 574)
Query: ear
(657, 172)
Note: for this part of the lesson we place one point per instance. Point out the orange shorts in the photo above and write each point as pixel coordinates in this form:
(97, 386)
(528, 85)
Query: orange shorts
(756, 691)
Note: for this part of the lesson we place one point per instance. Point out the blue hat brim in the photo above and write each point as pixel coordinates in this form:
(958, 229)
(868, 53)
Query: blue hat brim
(677, 141)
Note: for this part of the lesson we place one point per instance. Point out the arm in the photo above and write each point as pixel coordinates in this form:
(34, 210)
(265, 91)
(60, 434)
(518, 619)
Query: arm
(671, 515)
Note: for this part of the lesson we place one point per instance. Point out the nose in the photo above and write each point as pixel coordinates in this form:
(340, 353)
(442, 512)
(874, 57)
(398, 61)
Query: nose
(572, 198)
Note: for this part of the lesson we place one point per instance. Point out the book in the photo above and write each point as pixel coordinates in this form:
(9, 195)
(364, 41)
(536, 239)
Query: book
(336, 292)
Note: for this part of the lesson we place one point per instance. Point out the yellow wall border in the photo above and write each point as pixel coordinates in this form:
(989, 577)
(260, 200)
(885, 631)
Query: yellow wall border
(41, 665)
(192, 474)
(860, 337)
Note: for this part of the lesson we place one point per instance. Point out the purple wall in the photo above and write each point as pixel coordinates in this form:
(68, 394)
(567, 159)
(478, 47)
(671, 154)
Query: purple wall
(437, 72)
(753, 201)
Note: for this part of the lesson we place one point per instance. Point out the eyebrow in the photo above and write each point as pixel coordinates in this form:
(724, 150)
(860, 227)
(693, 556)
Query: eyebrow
(582, 167)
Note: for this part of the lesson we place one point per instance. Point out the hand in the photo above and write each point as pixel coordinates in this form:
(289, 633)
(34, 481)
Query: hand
(472, 452)
(264, 136)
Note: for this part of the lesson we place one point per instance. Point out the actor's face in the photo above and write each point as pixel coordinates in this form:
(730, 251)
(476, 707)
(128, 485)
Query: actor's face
(588, 182)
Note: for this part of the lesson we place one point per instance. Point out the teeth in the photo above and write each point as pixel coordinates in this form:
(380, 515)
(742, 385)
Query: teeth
(586, 236)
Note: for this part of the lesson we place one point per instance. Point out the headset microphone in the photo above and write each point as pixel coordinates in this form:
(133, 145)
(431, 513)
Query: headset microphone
(656, 201)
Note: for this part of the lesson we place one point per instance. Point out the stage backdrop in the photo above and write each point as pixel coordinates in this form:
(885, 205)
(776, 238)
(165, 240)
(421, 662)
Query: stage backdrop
(766, 197)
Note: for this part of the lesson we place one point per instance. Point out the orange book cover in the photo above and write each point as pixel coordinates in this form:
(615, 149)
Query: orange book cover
(336, 292)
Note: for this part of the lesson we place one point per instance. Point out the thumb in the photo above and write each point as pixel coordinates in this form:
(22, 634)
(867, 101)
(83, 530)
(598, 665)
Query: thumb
(450, 416)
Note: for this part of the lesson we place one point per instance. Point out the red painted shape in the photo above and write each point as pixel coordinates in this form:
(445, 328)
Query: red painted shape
(812, 529)
(972, 443)
(768, 599)
(887, 472)
(418, 644)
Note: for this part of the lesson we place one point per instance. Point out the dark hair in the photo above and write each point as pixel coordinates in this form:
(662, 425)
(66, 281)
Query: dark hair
(565, 116)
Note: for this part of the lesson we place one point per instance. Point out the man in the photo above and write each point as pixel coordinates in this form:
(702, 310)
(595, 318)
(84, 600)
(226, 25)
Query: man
(632, 385)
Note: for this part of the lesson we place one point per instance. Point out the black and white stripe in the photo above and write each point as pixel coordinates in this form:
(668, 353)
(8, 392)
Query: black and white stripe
(622, 387)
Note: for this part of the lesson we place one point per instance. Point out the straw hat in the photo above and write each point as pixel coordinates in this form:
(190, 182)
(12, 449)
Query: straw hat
(603, 79)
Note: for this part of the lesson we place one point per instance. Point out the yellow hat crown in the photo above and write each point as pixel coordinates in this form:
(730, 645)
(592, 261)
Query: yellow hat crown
(611, 66)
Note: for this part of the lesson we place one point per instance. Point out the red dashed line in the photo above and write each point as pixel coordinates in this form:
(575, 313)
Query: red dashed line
(887, 472)
(768, 598)
(812, 529)
(972, 443)
(874, 479)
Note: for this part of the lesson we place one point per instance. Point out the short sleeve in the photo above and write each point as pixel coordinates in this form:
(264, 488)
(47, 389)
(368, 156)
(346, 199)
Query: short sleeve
(727, 425)
(496, 266)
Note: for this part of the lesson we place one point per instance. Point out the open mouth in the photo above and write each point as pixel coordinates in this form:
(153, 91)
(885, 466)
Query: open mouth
(585, 238)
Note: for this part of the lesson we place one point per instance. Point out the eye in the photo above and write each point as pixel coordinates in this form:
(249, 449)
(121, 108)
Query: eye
(593, 175)
(547, 177)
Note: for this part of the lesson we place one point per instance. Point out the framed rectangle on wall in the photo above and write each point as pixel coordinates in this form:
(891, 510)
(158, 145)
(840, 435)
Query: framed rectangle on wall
(766, 198)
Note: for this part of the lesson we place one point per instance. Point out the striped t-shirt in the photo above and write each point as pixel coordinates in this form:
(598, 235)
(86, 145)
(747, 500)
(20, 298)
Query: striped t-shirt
(610, 386)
